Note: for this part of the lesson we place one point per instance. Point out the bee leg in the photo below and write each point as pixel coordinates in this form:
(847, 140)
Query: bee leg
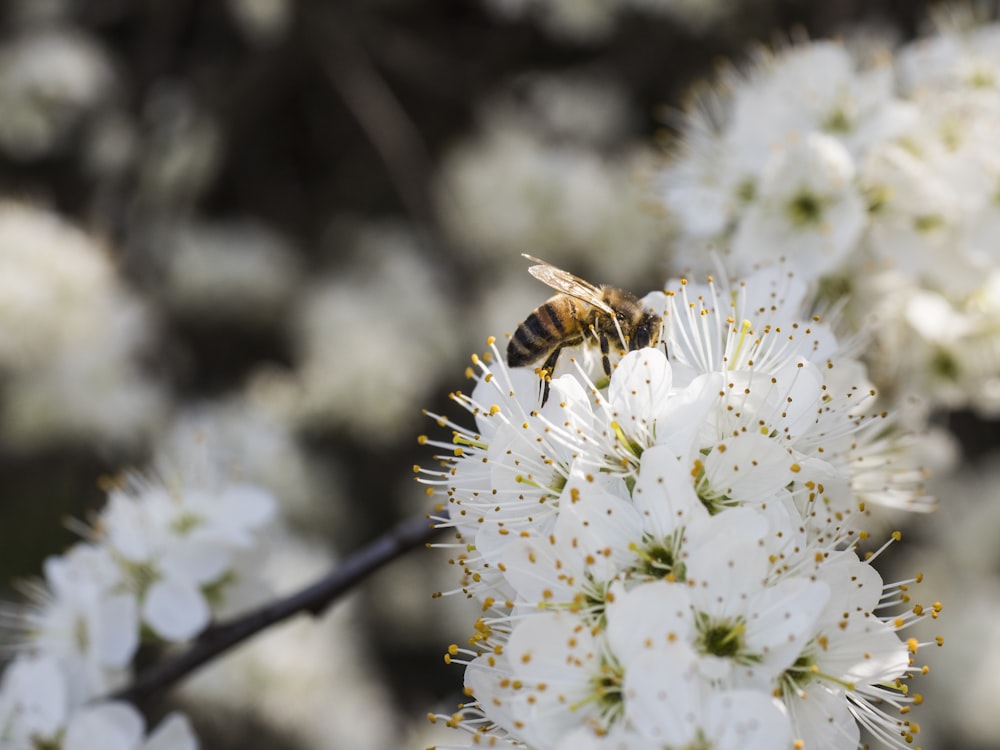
(605, 353)
(546, 370)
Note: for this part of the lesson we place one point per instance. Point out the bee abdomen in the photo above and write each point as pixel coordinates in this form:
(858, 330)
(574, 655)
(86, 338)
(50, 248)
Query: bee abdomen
(541, 331)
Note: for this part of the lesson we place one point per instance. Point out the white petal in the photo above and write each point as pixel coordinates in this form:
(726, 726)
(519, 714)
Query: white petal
(175, 611)
(685, 416)
(125, 525)
(820, 718)
(600, 526)
(664, 694)
(199, 561)
(554, 648)
(37, 690)
(173, 733)
(117, 637)
(747, 720)
(108, 726)
(865, 650)
(748, 468)
(641, 386)
(651, 616)
(783, 620)
(664, 493)
(247, 506)
(726, 560)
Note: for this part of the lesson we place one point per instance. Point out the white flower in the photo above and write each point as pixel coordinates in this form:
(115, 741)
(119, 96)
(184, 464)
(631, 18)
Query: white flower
(34, 704)
(35, 712)
(676, 708)
(850, 170)
(666, 560)
(262, 21)
(817, 87)
(119, 726)
(181, 148)
(806, 208)
(83, 618)
(177, 547)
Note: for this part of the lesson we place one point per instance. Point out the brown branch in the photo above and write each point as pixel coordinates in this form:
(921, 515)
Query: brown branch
(314, 599)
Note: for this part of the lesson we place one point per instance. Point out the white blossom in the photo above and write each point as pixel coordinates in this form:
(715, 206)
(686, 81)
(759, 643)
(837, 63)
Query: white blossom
(860, 173)
(232, 271)
(348, 372)
(50, 80)
(540, 175)
(82, 617)
(667, 559)
(71, 337)
(177, 546)
(36, 711)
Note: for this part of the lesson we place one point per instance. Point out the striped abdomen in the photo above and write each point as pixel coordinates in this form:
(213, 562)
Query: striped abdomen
(557, 322)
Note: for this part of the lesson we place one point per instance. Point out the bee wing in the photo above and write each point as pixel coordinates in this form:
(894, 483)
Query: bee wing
(567, 283)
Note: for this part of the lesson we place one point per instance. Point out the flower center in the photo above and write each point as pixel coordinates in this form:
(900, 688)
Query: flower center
(723, 638)
(713, 501)
(805, 209)
(837, 122)
(185, 522)
(660, 560)
(607, 692)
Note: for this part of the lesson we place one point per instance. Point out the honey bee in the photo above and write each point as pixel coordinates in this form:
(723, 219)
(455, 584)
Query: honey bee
(579, 309)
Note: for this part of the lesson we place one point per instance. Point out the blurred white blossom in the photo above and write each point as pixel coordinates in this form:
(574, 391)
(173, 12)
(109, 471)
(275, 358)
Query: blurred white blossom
(248, 439)
(531, 180)
(35, 712)
(238, 271)
(876, 177)
(587, 21)
(180, 150)
(71, 336)
(178, 546)
(370, 340)
(170, 552)
(50, 80)
(262, 21)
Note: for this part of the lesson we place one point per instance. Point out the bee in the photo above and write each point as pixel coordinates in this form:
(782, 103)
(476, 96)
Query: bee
(579, 309)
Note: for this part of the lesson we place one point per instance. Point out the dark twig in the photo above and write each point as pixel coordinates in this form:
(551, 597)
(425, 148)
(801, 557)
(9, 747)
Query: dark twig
(314, 599)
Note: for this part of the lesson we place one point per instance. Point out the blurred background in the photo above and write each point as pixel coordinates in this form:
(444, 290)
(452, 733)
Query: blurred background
(282, 226)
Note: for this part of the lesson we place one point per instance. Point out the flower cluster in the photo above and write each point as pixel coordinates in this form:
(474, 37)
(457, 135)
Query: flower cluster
(668, 557)
(873, 173)
(160, 559)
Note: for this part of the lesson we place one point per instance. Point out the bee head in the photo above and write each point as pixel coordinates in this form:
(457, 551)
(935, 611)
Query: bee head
(647, 331)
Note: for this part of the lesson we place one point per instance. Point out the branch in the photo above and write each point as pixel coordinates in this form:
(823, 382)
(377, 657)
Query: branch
(314, 599)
